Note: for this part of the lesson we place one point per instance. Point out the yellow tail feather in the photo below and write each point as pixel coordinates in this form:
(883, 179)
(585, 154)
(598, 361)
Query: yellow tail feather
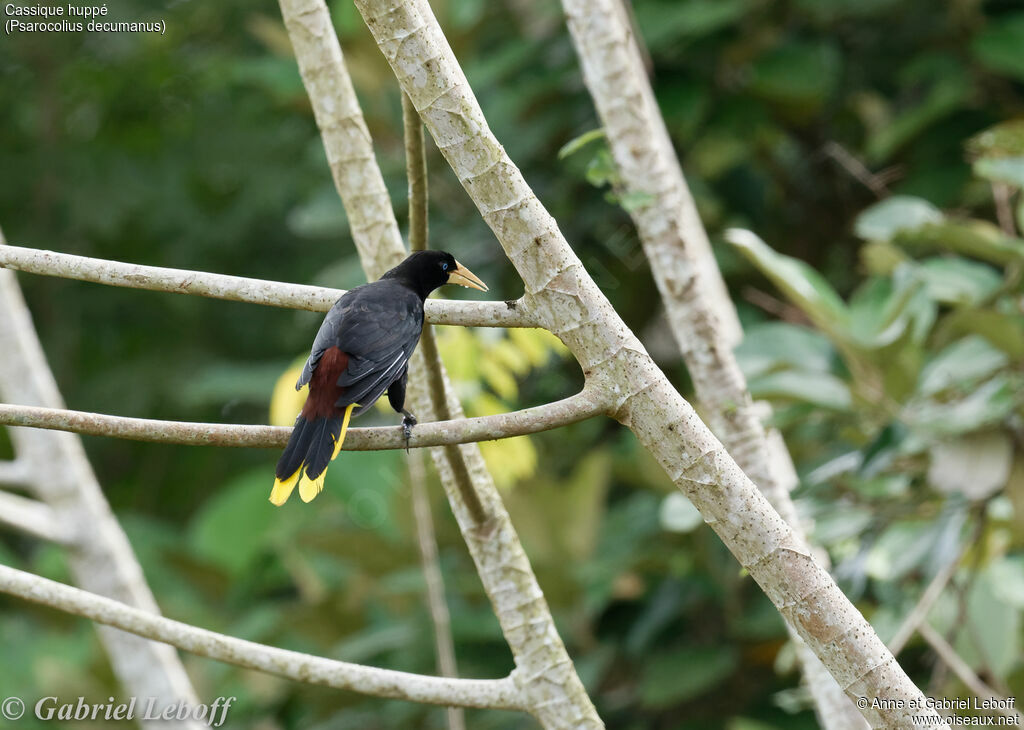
(283, 489)
(344, 430)
(309, 488)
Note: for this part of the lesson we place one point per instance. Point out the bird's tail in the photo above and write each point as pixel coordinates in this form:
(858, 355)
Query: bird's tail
(311, 448)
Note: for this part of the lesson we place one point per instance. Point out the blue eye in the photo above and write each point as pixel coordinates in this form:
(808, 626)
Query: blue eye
(444, 266)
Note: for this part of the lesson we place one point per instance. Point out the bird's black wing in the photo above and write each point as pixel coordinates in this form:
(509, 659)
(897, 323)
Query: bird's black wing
(378, 326)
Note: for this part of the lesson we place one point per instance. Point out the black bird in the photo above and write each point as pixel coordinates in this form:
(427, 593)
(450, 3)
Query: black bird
(362, 349)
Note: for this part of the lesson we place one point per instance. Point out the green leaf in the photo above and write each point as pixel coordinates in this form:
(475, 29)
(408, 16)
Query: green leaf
(998, 47)
(901, 548)
(667, 23)
(1001, 169)
(881, 486)
(801, 284)
(601, 169)
(882, 309)
(882, 258)
(1008, 579)
(278, 76)
(833, 11)
(846, 521)
(820, 389)
(467, 13)
(885, 219)
(949, 86)
(963, 363)
(634, 200)
(974, 238)
(958, 281)
(745, 723)
(683, 674)
(1005, 139)
(769, 346)
(717, 152)
(575, 145)
(988, 405)
(798, 73)
(234, 525)
(220, 383)
(995, 639)
(684, 104)
(1003, 331)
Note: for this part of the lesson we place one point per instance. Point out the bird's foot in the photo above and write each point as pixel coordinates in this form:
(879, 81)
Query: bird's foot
(408, 421)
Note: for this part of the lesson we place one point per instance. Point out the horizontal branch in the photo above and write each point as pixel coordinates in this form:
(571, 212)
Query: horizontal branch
(485, 693)
(573, 409)
(239, 288)
(30, 517)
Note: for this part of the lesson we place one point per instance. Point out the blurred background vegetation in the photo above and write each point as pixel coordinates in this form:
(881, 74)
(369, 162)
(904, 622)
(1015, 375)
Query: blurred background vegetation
(871, 143)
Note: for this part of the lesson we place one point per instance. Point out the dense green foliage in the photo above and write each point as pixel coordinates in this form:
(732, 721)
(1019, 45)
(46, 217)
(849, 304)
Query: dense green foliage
(895, 367)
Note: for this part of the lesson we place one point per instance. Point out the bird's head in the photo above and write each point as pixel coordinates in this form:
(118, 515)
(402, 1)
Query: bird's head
(425, 271)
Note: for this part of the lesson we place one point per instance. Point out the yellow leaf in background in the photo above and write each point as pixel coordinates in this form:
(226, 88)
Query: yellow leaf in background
(537, 344)
(530, 345)
(500, 379)
(461, 353)
(512, 357)
(508, 460)
(498, 358)
(286, 402)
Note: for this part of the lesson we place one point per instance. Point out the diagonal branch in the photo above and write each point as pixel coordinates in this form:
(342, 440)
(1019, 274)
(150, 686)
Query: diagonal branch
(585, 404)
(494, 693)
(239, 288)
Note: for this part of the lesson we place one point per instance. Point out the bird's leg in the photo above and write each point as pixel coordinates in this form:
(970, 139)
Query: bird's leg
(408, 421)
